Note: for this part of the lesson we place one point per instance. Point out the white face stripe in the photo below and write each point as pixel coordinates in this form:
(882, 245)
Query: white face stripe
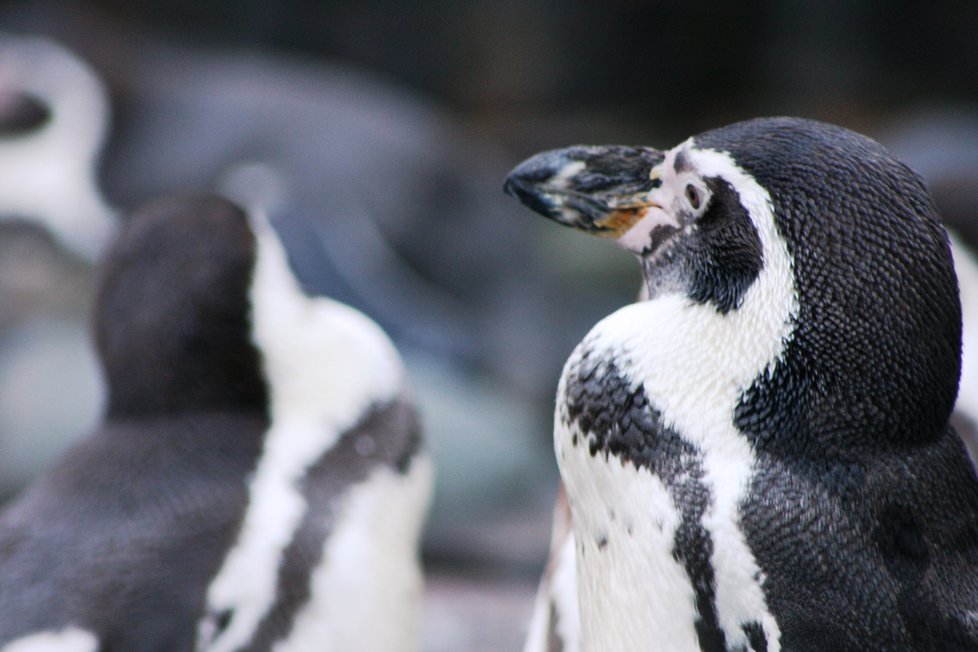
(70, 639)
(326, 364)
(695, 364)
(324, 361)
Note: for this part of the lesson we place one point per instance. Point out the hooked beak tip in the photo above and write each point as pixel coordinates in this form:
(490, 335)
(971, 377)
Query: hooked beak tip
(530, 195)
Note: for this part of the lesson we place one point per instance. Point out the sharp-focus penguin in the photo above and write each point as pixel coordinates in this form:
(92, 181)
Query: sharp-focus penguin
(758, 456)
(259, 478)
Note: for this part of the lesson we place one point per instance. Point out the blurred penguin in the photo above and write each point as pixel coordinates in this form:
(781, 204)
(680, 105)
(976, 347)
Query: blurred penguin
(259, 477)
(54, 223)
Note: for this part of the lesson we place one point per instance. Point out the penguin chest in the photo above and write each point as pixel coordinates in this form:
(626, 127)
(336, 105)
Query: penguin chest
(632, 588)
(660, 556)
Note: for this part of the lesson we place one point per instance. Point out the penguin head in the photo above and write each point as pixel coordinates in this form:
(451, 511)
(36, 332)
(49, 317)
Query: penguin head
(199, 310)
(873, 344)
(45, 88)
(676, 210)
(173, 313)
(54, 116)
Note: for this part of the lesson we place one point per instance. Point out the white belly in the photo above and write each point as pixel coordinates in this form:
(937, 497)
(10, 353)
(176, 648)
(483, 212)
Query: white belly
(634, 594)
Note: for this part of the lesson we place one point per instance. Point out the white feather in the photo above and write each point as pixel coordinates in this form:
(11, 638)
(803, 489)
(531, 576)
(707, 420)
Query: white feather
(632, 593)
(556, 605)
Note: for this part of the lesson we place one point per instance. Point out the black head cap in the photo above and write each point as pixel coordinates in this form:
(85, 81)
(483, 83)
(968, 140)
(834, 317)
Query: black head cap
(173, 323)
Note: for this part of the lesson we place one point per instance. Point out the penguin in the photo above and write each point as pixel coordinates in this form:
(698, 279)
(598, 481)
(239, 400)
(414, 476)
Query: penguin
(54, 226)
(758, 455)
(259, 477)
(54, 117)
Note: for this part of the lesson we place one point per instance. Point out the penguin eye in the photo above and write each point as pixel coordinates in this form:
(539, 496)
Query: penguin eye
(693, 196)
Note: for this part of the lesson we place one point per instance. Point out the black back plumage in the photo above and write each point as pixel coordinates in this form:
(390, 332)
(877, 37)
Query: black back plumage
(173, 322)
(123, 535)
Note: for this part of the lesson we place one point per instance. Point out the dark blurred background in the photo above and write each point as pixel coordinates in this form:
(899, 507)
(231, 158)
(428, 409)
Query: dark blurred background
(531, 73)
(379, 132)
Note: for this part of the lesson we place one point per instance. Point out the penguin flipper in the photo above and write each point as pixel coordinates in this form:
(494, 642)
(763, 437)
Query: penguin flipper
(555, 624)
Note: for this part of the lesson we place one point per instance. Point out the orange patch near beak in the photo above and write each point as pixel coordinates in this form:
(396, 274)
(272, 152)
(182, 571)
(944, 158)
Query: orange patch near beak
(620, 220)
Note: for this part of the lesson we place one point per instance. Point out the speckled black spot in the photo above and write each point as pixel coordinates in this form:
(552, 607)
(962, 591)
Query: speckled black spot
(681, 162)
(554, 641)
(755, 636)
(23, 115)
(222, 621)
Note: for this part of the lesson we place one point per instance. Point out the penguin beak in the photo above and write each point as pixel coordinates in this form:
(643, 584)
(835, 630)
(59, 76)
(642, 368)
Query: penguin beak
(603, 190)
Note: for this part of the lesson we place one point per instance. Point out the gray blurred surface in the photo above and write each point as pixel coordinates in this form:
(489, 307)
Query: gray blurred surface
(466, 614)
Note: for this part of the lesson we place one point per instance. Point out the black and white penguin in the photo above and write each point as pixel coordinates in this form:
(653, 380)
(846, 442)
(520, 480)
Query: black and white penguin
(259, 478)
(54, 224)
(758, 457)
(54, 116)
